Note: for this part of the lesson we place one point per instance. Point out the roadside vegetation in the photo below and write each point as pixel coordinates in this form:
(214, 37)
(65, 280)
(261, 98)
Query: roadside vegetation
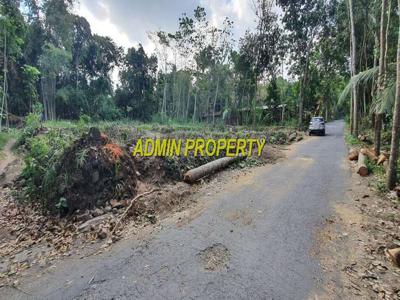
(45, 146)
(4, 137)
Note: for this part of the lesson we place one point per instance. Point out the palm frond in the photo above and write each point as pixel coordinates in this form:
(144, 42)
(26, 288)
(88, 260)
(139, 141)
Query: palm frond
(385, 102)
(362, 79)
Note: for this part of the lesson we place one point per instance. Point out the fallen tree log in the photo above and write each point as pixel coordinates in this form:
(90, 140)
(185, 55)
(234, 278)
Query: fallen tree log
(386, 153)
(370, 154)
(381, 159)
(209, 168)
(353, 154)
(364, 138)
(394, 256)
(386, 165)
(361, 167)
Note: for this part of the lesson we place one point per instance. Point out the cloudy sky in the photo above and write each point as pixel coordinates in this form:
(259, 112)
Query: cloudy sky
(128, 21)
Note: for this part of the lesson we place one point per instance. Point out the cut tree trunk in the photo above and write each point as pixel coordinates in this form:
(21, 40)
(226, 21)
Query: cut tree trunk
(353, 154)
(386, 165)
(394, 255)
(371, 155)
(361, 167)
(381, 159)
(364, 138)
(209, 168)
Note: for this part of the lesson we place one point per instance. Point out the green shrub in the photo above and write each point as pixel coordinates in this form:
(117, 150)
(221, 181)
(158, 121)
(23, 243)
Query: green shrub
(84, 120)
(374, 168)
(386, 137)
(107, 109)
(380, 183)
(351, 140)
(381, 186)
(32, 125)
(41, 161)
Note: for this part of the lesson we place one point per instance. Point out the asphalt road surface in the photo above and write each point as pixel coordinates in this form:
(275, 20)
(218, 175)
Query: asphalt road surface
(253, 241)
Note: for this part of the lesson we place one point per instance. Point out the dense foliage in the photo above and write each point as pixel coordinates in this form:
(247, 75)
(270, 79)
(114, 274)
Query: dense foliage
(198, 73)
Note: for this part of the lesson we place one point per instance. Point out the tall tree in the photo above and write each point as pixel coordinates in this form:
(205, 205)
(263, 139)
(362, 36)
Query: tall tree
(267, 46)
(394, 147)
(381, 75)
(303, 21)
(135, 96)
(52, 63)
(12, 37)
(353, 47)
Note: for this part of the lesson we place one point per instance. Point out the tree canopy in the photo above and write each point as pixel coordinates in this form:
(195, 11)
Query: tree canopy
(290, 66)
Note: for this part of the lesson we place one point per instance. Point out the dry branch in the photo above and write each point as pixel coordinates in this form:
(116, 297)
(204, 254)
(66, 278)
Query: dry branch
(130, 207)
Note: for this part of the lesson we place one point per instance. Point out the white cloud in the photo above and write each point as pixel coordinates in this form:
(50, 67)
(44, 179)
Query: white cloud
(128, 21)
(238, 11)
(104, 26)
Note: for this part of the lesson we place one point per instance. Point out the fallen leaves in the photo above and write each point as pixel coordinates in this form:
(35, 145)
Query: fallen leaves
(29, 239)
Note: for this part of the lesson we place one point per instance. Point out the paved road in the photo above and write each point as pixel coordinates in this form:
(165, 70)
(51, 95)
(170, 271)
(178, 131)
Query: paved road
(256, 240)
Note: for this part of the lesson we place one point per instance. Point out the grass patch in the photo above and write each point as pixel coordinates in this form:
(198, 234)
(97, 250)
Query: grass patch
(381, 186)
(380, 175)
(4, 137)
(151, 126)
(352, 141)
(123, 131)
(374, 168)
(379, 172)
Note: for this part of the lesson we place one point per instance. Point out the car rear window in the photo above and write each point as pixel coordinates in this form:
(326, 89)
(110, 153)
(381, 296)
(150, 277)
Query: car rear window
(318, 119)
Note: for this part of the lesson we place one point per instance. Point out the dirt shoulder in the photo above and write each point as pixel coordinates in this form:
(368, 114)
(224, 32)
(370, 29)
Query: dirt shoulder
(354, 240)
(10, 164)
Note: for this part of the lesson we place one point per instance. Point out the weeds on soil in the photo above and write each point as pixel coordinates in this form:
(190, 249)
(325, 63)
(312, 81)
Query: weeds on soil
(40, 162)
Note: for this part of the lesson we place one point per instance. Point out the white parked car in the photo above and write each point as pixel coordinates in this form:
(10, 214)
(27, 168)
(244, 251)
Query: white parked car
(317, 125)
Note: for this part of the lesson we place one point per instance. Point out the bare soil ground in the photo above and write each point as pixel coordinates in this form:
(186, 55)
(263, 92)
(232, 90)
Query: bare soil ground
(353, 243)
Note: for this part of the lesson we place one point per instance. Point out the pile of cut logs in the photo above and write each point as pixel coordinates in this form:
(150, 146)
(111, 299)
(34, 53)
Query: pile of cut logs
(362, 154)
